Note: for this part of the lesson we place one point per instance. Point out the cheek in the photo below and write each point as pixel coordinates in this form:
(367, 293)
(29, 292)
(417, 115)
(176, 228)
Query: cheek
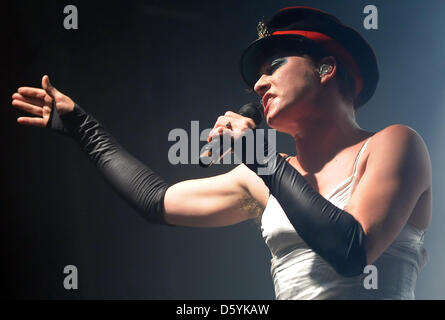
(298, 86)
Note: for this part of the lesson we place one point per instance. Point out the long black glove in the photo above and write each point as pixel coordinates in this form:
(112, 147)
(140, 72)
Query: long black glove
(330, 231)
(135, 182)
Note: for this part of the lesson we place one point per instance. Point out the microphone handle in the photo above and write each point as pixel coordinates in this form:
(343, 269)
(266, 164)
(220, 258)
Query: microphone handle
(207, 159)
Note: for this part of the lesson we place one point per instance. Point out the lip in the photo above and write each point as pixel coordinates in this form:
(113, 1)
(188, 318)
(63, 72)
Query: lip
(266, 100)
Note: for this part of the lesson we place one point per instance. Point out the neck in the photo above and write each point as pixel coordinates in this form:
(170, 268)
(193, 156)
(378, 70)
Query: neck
(320, 140)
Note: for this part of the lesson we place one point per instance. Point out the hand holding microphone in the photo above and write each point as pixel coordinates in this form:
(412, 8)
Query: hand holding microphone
(230, 124)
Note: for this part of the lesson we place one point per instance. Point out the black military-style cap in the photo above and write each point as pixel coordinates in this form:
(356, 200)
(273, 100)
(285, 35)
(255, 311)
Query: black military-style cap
(291, 28)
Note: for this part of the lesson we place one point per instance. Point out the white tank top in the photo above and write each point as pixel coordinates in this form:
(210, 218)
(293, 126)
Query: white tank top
(300, 273)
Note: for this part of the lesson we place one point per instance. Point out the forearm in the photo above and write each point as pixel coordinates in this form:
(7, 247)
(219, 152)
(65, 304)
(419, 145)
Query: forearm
(331, 232)
(135, 182)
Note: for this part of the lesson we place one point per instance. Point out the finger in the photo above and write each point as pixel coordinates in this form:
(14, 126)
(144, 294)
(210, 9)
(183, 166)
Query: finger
(245, 121)
(222, 121)
(48, 87)
(32, 92)
(215, 129)
(33, 109)
(212, 133)
(233, 114)
(28, 121)
(219, 131)
(30, 100)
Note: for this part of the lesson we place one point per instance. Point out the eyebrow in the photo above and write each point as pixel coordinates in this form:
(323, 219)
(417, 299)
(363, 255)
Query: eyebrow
(268, 62)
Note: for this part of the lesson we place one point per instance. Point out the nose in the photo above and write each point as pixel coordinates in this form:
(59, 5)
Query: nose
(262, 85)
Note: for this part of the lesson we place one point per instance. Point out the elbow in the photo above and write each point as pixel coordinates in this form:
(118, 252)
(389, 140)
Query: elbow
(352, 265)
(352, 260)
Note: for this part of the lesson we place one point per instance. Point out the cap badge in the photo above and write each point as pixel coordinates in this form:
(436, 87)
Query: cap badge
(262, 30)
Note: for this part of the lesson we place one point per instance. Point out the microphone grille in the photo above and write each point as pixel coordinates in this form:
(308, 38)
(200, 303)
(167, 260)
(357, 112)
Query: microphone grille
(253, 111)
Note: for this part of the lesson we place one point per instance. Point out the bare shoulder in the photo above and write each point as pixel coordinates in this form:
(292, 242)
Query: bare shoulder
(404, 147)
(397, 133)
(399, 136)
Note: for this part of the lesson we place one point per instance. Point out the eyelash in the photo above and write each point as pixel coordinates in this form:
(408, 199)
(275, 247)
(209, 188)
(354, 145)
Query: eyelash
(274, 66)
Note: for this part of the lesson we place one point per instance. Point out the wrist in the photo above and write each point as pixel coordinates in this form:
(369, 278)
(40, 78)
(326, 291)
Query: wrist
(67, 122)
(66, 109)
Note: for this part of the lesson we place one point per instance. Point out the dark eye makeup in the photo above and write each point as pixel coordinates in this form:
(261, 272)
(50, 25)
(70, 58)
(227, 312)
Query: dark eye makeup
(274, 65)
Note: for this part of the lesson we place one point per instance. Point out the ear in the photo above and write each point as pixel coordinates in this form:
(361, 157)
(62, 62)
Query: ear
(327, 69)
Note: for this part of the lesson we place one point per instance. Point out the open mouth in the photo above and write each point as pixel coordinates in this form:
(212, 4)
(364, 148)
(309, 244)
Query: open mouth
(266, 104)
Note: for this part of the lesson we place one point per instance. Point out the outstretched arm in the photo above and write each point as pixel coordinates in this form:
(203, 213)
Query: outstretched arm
(216, 201)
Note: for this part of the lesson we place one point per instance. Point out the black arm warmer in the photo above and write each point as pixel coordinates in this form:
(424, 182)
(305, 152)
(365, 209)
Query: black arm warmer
(331, 232)
(136, 183)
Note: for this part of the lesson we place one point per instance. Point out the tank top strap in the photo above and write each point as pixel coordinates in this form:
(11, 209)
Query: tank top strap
(362, 149)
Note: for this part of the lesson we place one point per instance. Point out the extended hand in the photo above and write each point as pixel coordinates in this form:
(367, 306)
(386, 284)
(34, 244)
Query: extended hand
(40, 102)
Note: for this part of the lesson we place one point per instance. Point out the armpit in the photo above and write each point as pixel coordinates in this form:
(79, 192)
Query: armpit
(251, 207)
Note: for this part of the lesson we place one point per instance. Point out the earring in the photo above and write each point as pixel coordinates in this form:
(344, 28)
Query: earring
(324, 68)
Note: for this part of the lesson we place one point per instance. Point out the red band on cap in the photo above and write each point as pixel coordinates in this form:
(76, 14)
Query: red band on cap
(336, 48)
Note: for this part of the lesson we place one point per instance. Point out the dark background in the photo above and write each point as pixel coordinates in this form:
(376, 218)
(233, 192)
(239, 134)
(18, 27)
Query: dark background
(144, 68)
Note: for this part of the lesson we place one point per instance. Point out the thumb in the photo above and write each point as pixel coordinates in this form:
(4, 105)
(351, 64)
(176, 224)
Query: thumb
(48, 87)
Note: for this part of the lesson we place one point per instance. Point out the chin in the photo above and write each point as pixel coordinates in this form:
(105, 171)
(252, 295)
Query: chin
(280, 124)
(273, 123)
(273, 118)
(269, 120)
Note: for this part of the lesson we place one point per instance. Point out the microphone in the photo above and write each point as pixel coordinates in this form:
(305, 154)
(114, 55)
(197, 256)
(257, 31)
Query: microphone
(206, 158)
